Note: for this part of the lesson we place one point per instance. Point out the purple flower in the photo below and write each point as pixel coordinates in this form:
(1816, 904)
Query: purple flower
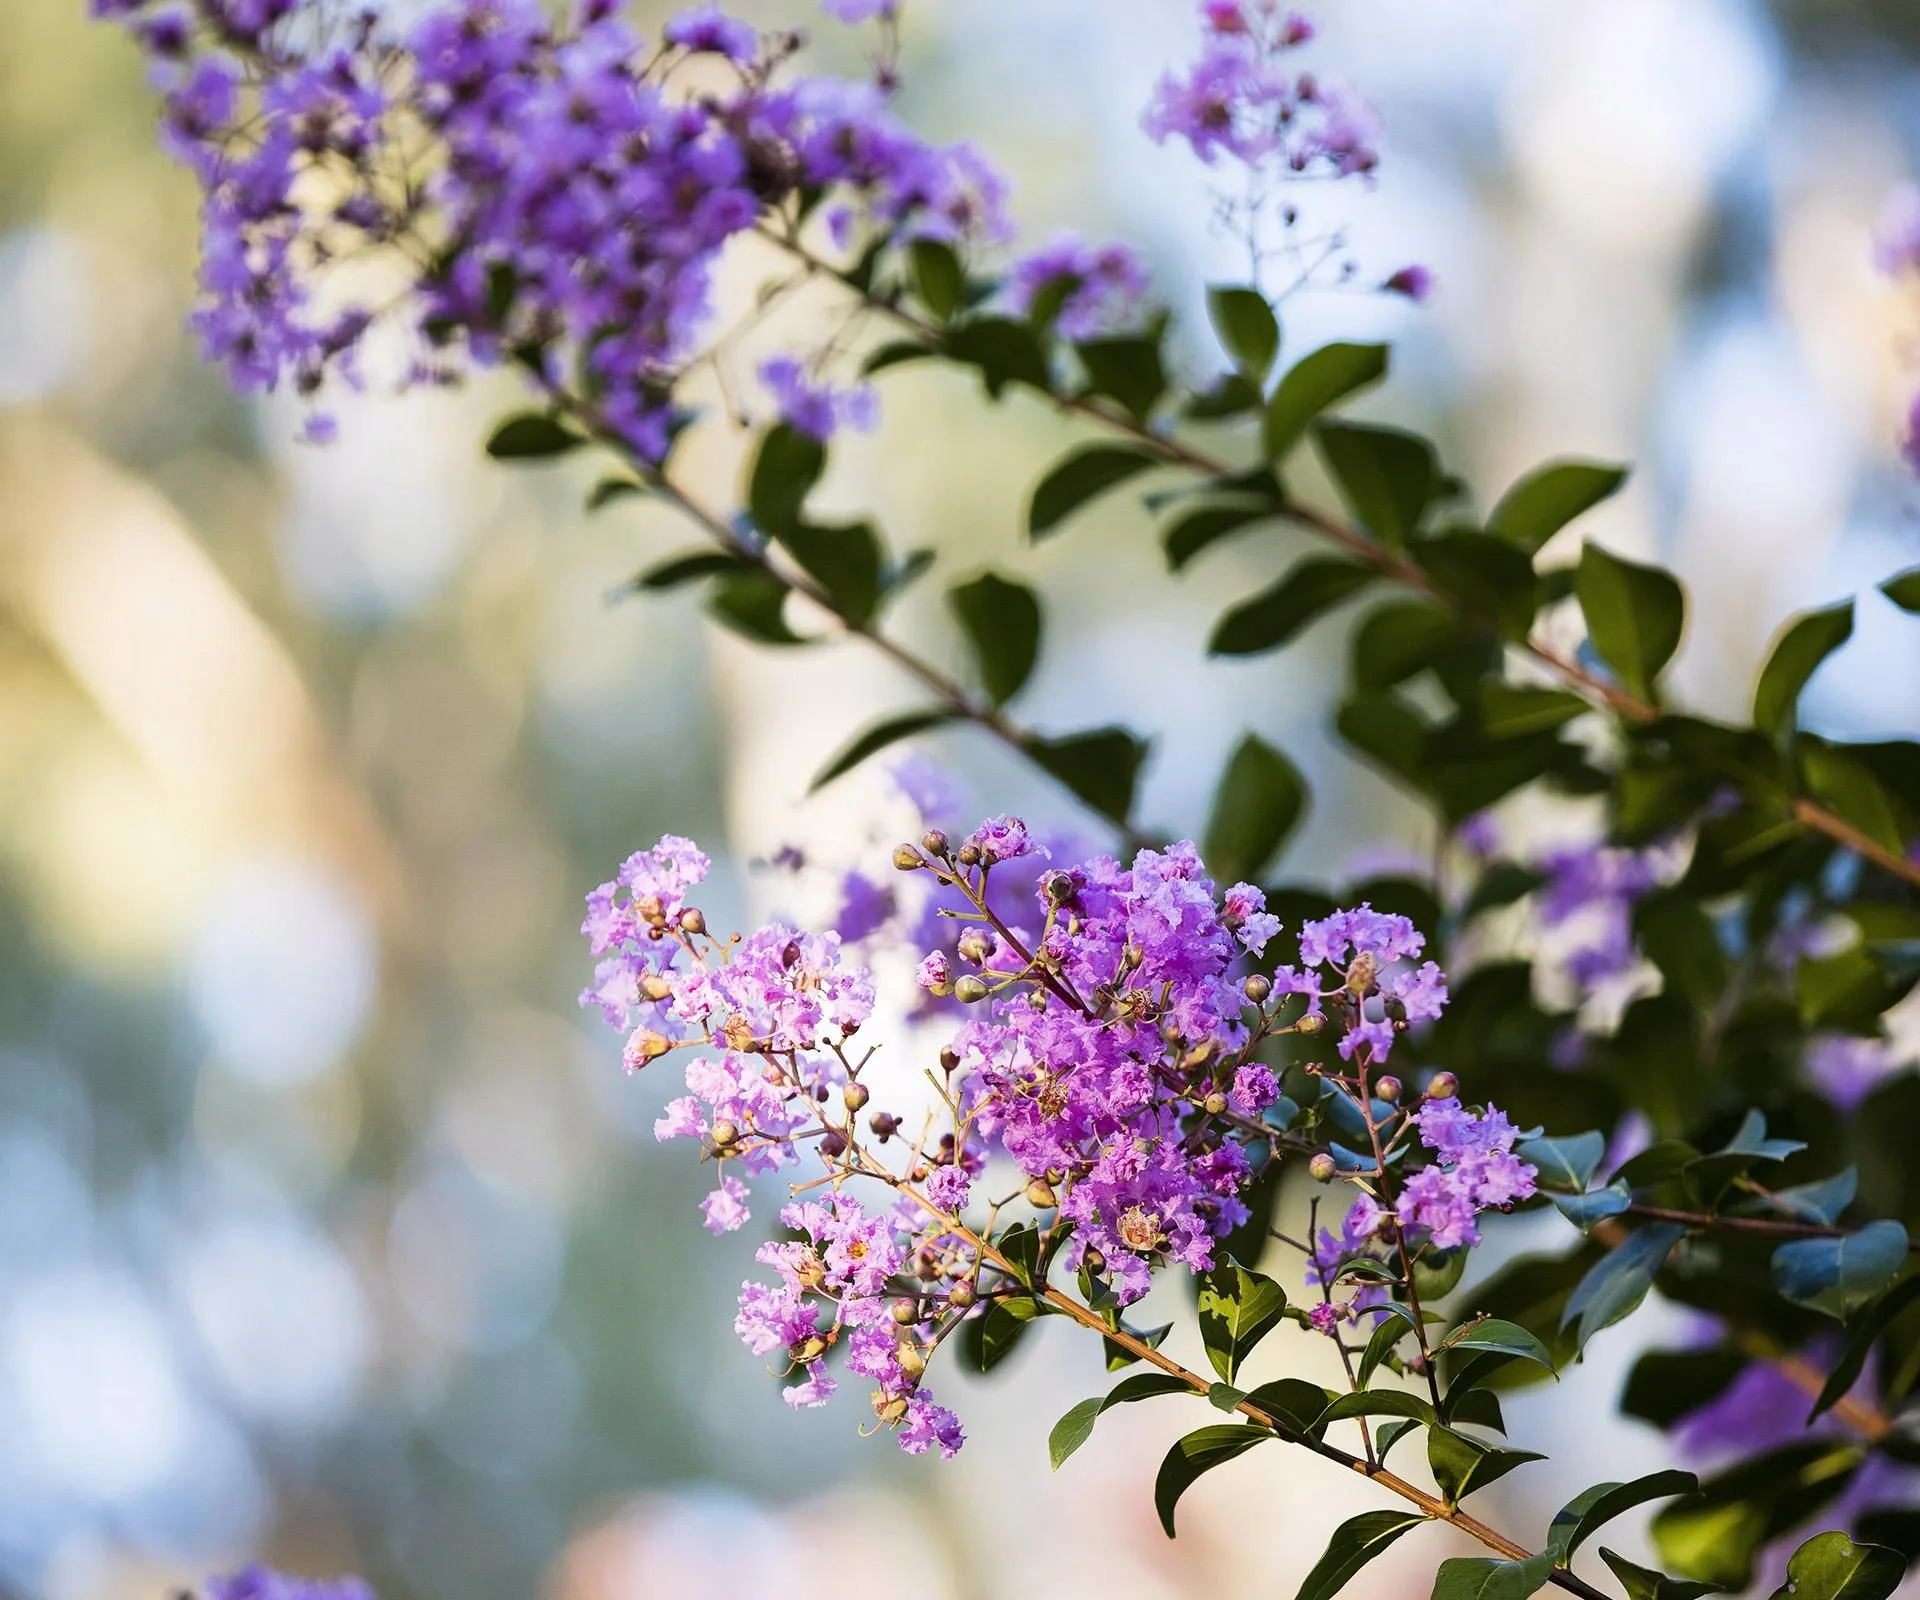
(933, 974)
(1847, 1068)
(1004, 839)
(708, 29)
(1415, 283)
(851, 11)
(1246, 909)
(726, 1208)
(949, 1188)
(1102, 288)
(930, 1426)
(1910, 438)
(1896, 237)
(814, 408)
(865, 907)
(256, 1582)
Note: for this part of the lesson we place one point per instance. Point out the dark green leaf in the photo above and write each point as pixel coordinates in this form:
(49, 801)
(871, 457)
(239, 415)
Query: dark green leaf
(876, 739)
(1849, 786)
(938, 278)
(1483, 1578)
(1318, 381)
(1385, 729)
(991, 1339)
(1565, 1165)
(1903, 590)
(1805, 643)
(1389, 1332)
(1635, 616)
(1127, 368)
(1595, 1206)
(1546, 500)
(1830, 1566)
(1002, 622)
(785, 469)
(1620, 1279)
(1381, 1403)
(844, 560)
(1387, 475)
(1354, 1543)
(1275, 615)
(608, 490)
(1119, 1356)
(1248, 329)
(1507, 1338)
(1200, 1451)
(1839, 1276)
(1233, 395)
(753, 603)
(1489, 577)
(1508, 710)
(1461, 1465)
(1845, 989)
(1818, 1202)
(533, 436)
(1665, 1385)
(1861, 1336)
(1188, 535)
(1717, 1533)
(1396, 640)
(1101, 766)
(1005, 352)
(1238, 1309)
(896, 354)
(1079, 477)
(1592, 1509)
(1294, 1403)
(1643, 1583)
(690, 568)
(1076, 1427)
(1260, 801)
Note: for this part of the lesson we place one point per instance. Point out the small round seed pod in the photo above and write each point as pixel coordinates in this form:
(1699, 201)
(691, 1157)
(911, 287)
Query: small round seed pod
(1320, 1168)
(1257, 988)
(1040, 1194)
(856, 1096)
(1443, 1086)
(1215, 1103)
(935, 843)
(692, 920)
(961, 1295)
(969, 990)
(969, 854)
(908, 859)
(1388, 1089)
(905, 1312)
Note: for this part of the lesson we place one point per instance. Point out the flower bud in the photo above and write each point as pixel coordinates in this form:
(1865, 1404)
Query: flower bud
(1215, 1103)
(1443, 1086)
(976, 945)
(969, 854)
(1040, 1194)
(855, 1095)
(1388, 1089)
(960, 1295)
(934, 842)
(725, 1135)
(969, 990)
(890, 1409)
(645, 1045)
(908, 859)
(811, 1348)
(1058, 887)
(655, 987)
(884, 1124)
(1312, 1022)
(692, 920)
(833, 1144)
(906, 1312)
(1257, 988)
(912, 1362)
(949, 1062)
(1320, 1168)
(650, 908)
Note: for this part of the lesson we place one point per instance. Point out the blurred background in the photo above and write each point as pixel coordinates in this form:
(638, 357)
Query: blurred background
(329, 1227)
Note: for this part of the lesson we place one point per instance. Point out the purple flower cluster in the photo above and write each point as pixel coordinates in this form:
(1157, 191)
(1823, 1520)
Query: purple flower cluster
(1473, 1169)
(1591, 891)
(545, 191)
(256, 1582)
(840, 1270)
(1242, 98)
(1102, 289)
(1370, 954)
(810, 405)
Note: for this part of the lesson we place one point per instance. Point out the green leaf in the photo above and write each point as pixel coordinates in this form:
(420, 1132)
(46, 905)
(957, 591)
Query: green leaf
(1483, 1578)
(1849, 786)
(1238, 1309)
(1830, 1566)
(1294, 1403)
(1101, 766)
(896, 353)
(1387, 475)
(1248, 329)
(991, 1339)
(1643, 1583)
(1260, 801)
(1188, 535)
(676, 571)
(1388, 1333)
(752, 603)
(938, 278)
(1507, 1338)
(1354, 1543)
(1839, 1276)
(1461, 1465)
(1002, 622)
(1820, 1202)
(1806, 642)
(1509, 710)
(876, 739)
(1904, 590)
(1200, 1451)
(1635, 616)
(785, 469)
(1584, 1211)
(1004, 351)
(533, 436)
(1232, 395)
(1664, 1385)
(1546, 500)
(1861, 1336)
(1592, 1509)
(1275, 615)
(1565, 1165)
(1128, 368)
(844, 560)
(1322, 379)
(1619, 1280)
(1076, 1427)
(1847, 988)
(608, 490)
(1396, 640)
(1381, 1403)
(1716, 1533)
(1079, 477)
